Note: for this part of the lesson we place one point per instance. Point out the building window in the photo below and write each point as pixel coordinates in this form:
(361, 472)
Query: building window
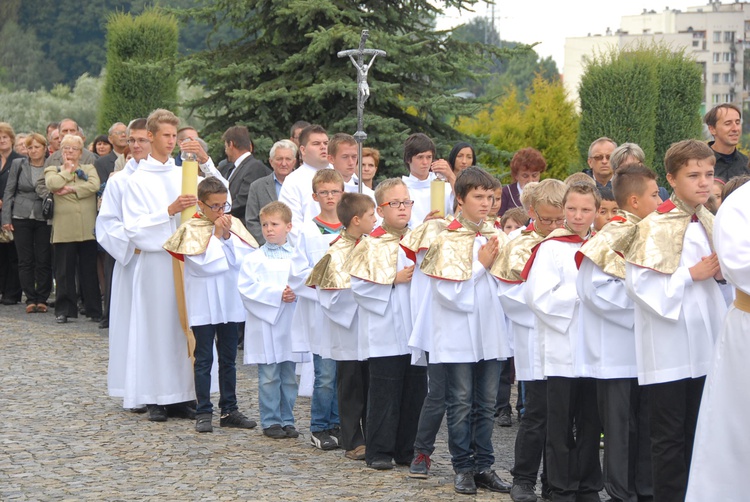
(717, 37)
(696, 43)
(727, 56)
(726, 99)
(729, 37)
(715, 78)
(726, 78)
(717, 57)
(714, 99)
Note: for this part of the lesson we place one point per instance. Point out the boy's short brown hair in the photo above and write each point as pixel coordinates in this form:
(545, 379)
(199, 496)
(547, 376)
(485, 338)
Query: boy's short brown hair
(384, 186)
(210, 186)
(550, 192)
(516, 214)
(582, 188)
(630, 179)
(580, 178)
(338, 139)
(351, 205)
(471, 178)
(682, 152)
(277, 208)
(327, 176)
(158, 117)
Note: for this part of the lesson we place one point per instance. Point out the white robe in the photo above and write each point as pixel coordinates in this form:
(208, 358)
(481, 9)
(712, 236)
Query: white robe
(162, 372)
(677, 320)
(268, 327)
(469, 325)
(310, 247)
(110, 234)
(340, 323)
(211, 282)
(721, 452)
(605, 341)
(421, 307)
(419, 192)
(522, 324)
(296, 192)
(550, 293)
(384, 315)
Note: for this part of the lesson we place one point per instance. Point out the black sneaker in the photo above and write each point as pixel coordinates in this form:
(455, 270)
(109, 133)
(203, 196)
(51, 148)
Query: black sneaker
(504, 419)
(290, 431)
(157, 413)
(181, 410)
(203, 422)
(275, 432)
(523, 492)
(323, 440)
(335, 433)
(420, 466)
(237, 420)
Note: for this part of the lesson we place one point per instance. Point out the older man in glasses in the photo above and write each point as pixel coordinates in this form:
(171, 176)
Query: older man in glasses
(600, 152)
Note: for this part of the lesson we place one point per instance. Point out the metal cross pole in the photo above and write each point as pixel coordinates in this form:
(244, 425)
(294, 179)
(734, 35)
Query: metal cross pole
(363, 91)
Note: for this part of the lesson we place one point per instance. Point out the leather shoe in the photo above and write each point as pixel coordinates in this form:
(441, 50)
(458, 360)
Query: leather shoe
(61, 319)
(523, 492)
(381, 465)
(492, 482)
(104, 323)
(464, 484)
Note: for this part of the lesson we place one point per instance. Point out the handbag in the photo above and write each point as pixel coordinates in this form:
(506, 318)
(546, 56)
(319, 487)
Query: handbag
(6, 236)
(48, 207)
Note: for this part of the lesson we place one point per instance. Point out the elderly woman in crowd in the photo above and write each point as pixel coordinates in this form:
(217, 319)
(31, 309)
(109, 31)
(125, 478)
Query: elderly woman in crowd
(101, 145)
(631, 153)
(74, 188)
(527, 165)
(23, 216)
(462, 156)
(10, 286)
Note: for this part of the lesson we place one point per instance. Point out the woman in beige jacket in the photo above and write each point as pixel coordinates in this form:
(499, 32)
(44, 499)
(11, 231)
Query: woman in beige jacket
(74, 188)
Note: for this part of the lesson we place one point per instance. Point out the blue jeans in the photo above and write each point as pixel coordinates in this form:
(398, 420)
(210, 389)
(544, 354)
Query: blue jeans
(433, 410)
(277, 392)
(226, 338)
(324, 409)
(470, 395)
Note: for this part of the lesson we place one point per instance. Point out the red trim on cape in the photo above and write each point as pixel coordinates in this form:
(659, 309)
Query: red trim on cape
(409, 253)
(562, 238)
(530, 228)
(620, 219)
(178, 256)
(665, 206)
(378, 232)
(454, 225)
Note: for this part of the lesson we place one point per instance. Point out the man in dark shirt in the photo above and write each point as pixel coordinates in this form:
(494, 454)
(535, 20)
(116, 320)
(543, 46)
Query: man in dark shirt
(725, 125)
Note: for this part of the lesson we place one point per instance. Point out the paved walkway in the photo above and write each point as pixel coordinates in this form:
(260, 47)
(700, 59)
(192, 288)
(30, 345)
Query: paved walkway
(63, 438)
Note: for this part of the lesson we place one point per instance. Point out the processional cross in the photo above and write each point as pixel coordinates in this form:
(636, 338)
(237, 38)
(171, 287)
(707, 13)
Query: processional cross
(363, 91)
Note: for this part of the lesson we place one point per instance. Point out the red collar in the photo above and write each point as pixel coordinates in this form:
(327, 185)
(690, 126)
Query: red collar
(562, 238)
(665, 206)
(378, 232)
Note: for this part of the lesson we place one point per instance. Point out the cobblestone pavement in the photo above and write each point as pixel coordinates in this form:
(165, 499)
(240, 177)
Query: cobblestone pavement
(63, 438)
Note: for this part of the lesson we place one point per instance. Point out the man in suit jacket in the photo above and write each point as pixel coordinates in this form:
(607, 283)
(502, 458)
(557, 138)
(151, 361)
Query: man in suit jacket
(283, 160)
(241, 168)
(119, 138)
(68, 126)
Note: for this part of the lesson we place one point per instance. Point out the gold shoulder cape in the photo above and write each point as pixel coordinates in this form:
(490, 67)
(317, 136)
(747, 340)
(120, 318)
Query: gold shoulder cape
(563, 234)
(513, 257)
(658, 239)
(375, 259)
(451, 255)
(602, 248)
(193, 236)
(425, 234)
(330, 272)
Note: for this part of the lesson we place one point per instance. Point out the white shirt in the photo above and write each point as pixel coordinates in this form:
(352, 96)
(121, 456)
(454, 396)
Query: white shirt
(419, 192)
(296, 192)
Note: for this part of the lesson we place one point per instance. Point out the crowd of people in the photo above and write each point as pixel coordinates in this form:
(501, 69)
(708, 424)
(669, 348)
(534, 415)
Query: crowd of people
(619, 306)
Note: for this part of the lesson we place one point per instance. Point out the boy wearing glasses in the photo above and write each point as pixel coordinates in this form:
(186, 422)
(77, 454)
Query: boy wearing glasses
(213, 245)
(313, 241)
(381, 282)
(333, 284)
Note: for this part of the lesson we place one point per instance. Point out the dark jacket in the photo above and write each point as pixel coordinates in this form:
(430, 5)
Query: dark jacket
(20, 198)
(262, 192)
(250, 170)
(729, 166)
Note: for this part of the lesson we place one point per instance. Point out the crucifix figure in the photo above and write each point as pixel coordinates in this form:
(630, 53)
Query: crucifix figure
(363, 90)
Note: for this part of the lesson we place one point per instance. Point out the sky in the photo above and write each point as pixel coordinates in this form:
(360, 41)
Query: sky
(551, 21)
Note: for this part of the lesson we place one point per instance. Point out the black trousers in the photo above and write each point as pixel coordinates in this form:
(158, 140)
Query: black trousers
(68, 255)
(397, 391)
(352, 382)
(573, 469)
(623, 408)
(503, 390)
(673, 418)
(109, 268)
(10, 284)
(32, 238)
(531, 436)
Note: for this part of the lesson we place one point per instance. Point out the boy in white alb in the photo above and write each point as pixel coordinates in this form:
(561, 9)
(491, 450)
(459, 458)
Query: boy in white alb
(381, 276)
(605, 345)
(469, 338)
(313, 241)
(342, 154)
(573, 470)
(213, 244)
(671, 274)
(419, 156)
(333, 284)
(269, 304)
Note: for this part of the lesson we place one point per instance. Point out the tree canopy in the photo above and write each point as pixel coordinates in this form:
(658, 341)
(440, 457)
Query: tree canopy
(283, 67)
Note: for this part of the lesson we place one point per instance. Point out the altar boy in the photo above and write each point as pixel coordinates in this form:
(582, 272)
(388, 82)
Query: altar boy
(671, 274)
(381, 278)
(269, 304)
(469, 338)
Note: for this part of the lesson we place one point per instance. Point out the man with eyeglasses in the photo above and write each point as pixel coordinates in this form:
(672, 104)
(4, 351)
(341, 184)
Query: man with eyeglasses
(67, 126)
(600, 169)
